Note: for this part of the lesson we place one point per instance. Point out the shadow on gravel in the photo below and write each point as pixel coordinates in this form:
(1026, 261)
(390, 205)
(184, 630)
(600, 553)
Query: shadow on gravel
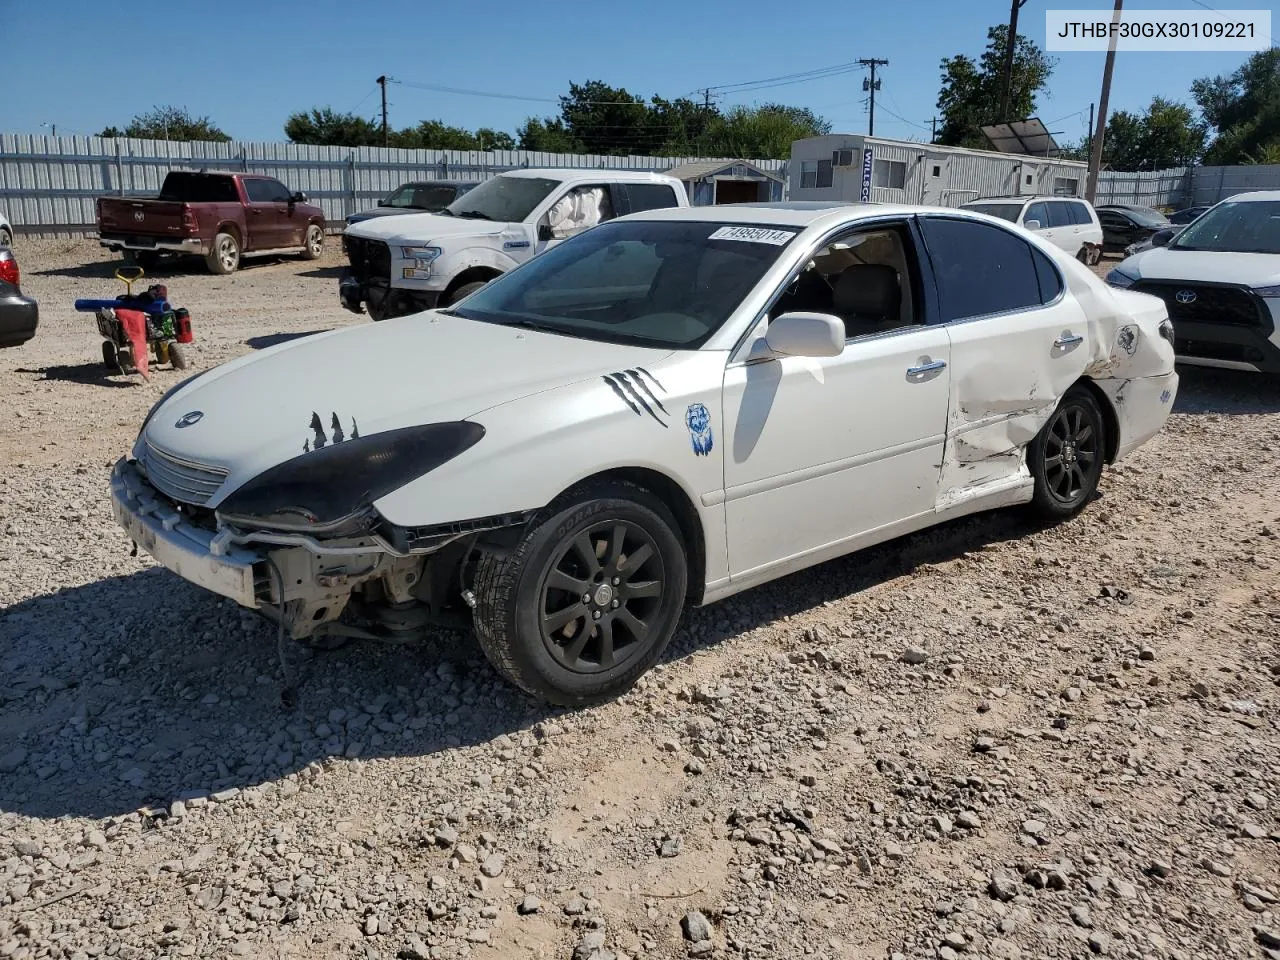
(271, 339)
(137, 690)
(92, 374)
(1206, 390)
(323, 273)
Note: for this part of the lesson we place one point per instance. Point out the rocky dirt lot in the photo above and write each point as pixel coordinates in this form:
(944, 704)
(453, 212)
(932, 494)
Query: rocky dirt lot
(991, 740)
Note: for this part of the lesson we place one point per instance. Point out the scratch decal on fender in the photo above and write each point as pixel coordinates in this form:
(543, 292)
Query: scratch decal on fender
(319, 440)
(636, 394)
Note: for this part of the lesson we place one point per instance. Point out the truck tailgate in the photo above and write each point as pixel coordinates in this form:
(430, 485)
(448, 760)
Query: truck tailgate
(141, 218)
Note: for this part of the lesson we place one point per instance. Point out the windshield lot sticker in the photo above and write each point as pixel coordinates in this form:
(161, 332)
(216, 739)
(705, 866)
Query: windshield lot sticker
(699, 422)
(319, 439)
(1128, 340)
(753, 235)
(633, 387)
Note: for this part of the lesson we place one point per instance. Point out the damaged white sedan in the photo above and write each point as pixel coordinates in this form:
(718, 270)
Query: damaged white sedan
(667, 409)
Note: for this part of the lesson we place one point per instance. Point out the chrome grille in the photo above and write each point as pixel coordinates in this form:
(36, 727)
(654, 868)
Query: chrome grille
(181, 480)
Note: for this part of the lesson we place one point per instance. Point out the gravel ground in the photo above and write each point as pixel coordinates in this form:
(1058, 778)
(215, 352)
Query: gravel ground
(989, 740)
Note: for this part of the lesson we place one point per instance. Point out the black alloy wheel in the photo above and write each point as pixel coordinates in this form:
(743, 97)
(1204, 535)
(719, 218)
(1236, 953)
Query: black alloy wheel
(1067, 455)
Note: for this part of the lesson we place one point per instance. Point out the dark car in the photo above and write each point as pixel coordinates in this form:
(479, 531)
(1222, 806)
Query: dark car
(1186, 216)
(1122, 226)
(18, 314)
(420, 196)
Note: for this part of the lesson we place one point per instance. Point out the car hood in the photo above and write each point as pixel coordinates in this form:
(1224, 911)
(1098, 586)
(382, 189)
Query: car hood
(1247, 269)
(375, 212)
(268, 407)
(424, 228)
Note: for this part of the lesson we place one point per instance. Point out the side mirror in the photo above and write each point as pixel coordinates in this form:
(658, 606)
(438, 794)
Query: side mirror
(298, 197)
(1161, 238)
(382, 203)
(544, 232)
(806, 335)
(1031, 224)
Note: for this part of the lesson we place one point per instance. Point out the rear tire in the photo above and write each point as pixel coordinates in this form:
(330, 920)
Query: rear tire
(313, 246)
(588, 599)
(6, 237)
(177, 358)
(224, 255)
(110, 356)
(1067, 455)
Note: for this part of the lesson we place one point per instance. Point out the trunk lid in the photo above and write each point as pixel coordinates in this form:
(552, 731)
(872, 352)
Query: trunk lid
(143, 218)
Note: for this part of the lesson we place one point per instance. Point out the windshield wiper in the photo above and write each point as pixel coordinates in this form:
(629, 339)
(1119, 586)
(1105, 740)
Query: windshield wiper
(475, 215)
(445, 211)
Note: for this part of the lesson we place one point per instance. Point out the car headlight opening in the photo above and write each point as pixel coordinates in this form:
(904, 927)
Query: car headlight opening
(1118, 278)
(332, 490)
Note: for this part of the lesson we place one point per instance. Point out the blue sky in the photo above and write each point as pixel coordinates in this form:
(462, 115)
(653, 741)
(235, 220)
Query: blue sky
(84, 64)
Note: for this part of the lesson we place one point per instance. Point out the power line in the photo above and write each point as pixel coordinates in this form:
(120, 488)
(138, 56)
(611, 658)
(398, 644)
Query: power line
(903, 119)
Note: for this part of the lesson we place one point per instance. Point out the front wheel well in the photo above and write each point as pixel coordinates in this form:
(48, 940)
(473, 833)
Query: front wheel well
(471, 275)
(1109, 415)
(681, 507)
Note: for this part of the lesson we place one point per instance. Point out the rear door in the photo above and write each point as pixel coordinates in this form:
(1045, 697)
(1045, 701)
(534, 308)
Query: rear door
(1017, 344)
(268, 215)
(1063, 231)
(1117, 229)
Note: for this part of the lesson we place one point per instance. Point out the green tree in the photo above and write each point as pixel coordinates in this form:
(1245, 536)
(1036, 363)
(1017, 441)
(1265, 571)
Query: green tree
(1243, 109)
(765, 132)
(324, 127)
(609, 120)
(434, 135)
(488, 139)
(1171, 135)
(548, 136)
(972, 91)
(169, 123)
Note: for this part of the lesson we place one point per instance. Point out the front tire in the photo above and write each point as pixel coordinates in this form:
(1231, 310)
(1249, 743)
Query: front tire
(224, 255)
(589, 598)
(1067, 455)
(314, 244)
(6, 237)
(466, 290)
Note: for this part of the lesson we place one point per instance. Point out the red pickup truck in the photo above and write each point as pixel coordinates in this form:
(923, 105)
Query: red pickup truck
(222, 217)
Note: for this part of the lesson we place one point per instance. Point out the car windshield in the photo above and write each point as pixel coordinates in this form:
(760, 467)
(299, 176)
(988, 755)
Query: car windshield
(653, 283)
(1005, 211)
(1247, 227)
(1147, 218)
(422, 196)
(503, 199)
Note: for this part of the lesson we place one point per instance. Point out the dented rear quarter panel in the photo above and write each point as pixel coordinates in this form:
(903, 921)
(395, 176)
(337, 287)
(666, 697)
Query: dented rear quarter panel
(1010, 371)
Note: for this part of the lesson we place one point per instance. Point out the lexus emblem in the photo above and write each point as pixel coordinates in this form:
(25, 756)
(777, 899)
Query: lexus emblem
(139, 215)
(1186, 296)
(188, 419)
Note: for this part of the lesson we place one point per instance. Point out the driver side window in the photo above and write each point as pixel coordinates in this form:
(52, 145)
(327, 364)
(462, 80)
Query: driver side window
(866, 278)
(579, 209)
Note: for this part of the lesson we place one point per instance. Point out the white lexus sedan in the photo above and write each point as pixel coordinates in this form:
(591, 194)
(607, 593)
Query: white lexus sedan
(666, 409)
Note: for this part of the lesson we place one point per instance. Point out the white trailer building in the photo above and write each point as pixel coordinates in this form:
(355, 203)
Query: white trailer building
(852, 167)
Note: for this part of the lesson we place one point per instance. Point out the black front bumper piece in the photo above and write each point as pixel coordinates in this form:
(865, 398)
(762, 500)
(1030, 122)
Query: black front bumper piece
(1218, 323)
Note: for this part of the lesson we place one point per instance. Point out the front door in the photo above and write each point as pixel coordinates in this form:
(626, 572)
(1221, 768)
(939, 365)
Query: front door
(823, 451)
(1017, 344)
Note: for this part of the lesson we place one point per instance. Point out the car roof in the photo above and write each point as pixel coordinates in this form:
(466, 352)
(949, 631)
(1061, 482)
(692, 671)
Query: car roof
(1023, 198)
(439, 183)
(1254, 196)
(589, 173)
(791, 213)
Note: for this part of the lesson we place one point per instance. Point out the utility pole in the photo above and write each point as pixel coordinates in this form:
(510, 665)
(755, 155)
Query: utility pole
(1010, 45)
(872, 86)
(1095, 150)
(933, 130)
(1088, 137)
(382, 82)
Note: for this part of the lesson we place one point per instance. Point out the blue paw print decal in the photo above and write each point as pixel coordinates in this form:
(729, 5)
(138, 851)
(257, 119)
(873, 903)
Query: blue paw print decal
(698, 420)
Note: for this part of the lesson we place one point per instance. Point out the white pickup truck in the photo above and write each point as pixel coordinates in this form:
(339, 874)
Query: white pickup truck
(406, 264)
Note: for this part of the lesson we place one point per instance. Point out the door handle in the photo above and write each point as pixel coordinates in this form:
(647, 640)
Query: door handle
(924, 368)
(1068, 340)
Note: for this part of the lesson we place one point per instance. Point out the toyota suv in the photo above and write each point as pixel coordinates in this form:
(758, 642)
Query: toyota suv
(1067, 222)
(411, 263)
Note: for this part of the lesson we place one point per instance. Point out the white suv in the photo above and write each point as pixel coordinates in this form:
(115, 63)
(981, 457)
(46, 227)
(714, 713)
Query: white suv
(1067, 222)
(6, 232)
(411, 263)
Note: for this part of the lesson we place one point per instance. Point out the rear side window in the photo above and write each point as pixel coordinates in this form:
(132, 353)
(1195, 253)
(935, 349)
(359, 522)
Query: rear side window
(183, 187)
(1047, 276)
(1080, 214)
(980, 269)
(266, 191)
(1038, 213)
(649, 196)
(1059, 214)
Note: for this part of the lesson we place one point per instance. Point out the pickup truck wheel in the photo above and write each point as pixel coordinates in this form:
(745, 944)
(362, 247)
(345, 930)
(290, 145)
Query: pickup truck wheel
(314, 246)
(177, 358)
(224, 255)
(466, 290)
(1066, 456)
(589, 598)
